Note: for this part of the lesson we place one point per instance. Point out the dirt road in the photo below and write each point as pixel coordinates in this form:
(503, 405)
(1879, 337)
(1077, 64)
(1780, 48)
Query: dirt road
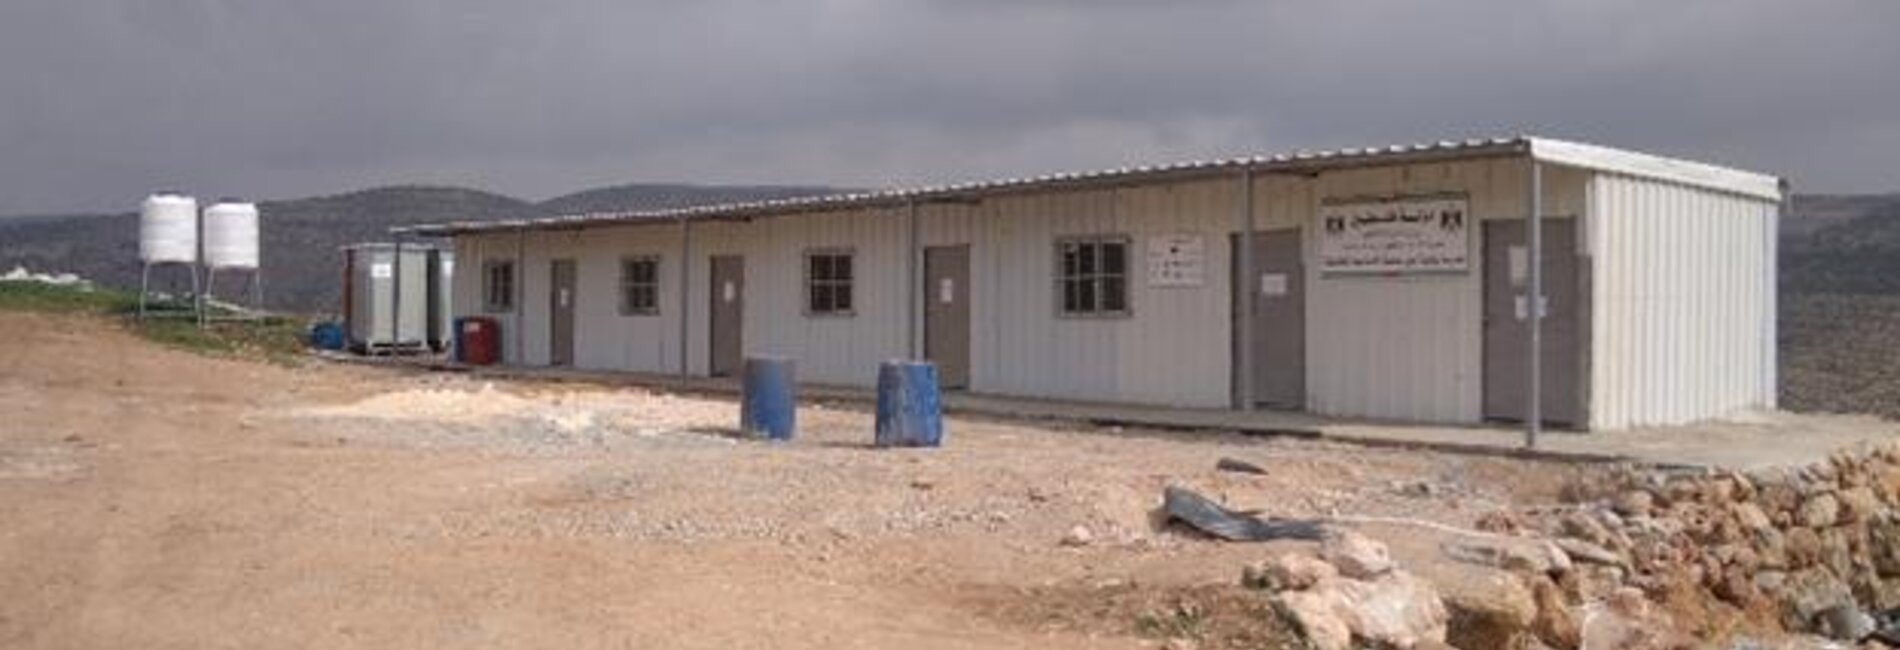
(152, 498)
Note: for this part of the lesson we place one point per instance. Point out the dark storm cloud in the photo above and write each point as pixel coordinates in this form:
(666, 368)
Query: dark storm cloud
(105, 100)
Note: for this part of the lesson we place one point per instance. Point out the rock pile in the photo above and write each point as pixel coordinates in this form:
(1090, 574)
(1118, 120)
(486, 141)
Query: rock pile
(1352, 593)
(1808, 549)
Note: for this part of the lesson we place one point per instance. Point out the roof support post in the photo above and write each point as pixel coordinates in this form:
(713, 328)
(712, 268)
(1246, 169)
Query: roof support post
(395, 317)
(521, 296)
(685, 289)
(912, 269)
(1534, 409)
(1244, 291)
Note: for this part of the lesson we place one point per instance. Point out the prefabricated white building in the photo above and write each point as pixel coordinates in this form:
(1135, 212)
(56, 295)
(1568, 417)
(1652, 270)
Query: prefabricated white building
(1390, 283)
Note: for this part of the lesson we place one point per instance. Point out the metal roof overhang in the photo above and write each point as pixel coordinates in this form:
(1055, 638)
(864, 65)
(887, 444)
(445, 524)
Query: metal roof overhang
(1302, 163)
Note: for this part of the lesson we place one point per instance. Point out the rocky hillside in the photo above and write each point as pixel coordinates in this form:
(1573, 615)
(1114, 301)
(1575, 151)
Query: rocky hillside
(301, 237)
(1840, 305)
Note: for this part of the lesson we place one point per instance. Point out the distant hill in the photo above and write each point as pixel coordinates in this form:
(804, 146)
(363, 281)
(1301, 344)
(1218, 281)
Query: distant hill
(1840, 305)
(1843, 244)
(301, 237)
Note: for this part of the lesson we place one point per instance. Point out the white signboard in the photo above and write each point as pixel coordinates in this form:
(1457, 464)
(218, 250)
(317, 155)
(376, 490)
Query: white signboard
(381, 271)
(1178, 260)
(1397, 236)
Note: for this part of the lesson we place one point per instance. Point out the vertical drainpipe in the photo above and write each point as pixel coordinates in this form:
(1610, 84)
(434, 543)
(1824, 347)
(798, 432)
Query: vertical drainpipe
(521, 295)
(1534, 415)
(685, 284)
(1244, 288)
(914, 280)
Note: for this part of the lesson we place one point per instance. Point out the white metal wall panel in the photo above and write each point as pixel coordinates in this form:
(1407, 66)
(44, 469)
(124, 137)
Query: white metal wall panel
(843, 350)
(1172, 350)
(605, 339)
(1683, 320)
(1411, 347)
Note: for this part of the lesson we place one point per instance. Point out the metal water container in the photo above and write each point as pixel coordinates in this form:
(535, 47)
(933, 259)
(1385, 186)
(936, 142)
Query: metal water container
(441, 299)
(386, 297)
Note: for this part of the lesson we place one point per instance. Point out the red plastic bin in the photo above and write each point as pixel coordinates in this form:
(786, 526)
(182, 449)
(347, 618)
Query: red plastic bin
(477, 340)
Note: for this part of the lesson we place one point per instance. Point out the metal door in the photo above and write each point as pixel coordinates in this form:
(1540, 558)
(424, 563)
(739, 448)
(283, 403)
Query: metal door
(1277, 287)
(561, 297)
(947, 313)
(1507, 324)
(727, 314)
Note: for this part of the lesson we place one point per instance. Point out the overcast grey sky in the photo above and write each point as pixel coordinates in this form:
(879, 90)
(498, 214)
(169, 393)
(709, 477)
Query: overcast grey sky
(102, 101)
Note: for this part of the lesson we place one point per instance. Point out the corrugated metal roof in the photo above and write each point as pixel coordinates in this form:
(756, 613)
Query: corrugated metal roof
(1297, 162)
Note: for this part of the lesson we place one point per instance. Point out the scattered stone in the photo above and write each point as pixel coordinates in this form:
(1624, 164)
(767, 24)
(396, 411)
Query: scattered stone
(1633, 503)
(1751, 517)
(921, 483)
(1289, 572)
(1500, 521)
(1735, 587)
(1519, 556)
(1629, 601)
(1805, 594)
(1804, 548)
(1819, 511)
(1884, 546)
(1315, 616)
(1586, 552)
(1399, 610)
(1079, 536)
(1587, 528)
(1844, 623)
(1494, 611)
(1556, 623)
(1859, 504)
(1356, 556)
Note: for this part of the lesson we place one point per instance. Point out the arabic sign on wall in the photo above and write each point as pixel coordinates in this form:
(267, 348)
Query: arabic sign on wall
(1407, 235)
(1178, 260)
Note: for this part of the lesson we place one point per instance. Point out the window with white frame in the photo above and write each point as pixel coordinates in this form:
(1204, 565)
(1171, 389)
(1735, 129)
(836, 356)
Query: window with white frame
(1092, 276)
(498, 286)
(828, 282)
(639, 286)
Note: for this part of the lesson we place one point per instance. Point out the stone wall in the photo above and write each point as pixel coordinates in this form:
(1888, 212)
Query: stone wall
(1809, 549)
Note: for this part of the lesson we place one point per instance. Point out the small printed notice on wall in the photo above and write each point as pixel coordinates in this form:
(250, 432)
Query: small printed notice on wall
(1273, 284)
(382, 271)
(1395, 236)
(1177, 260)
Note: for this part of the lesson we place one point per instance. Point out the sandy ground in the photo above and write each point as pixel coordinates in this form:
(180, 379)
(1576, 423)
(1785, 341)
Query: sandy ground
(156, 499)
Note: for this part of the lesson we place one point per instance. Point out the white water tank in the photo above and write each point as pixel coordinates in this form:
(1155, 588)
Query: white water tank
(231, 236)
(168, 229)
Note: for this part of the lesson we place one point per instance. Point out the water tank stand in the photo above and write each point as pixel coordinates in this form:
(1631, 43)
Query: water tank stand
(254, 288)
(145, 291)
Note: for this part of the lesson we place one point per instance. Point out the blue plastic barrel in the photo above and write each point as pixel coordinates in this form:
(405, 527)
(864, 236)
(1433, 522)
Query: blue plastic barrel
(326, 336)
(768, 402)
(909, 412)
(456, 347)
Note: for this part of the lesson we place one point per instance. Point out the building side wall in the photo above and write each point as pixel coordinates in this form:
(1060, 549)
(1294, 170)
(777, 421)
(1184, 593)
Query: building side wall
(1411, 347)
(1684, 310)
